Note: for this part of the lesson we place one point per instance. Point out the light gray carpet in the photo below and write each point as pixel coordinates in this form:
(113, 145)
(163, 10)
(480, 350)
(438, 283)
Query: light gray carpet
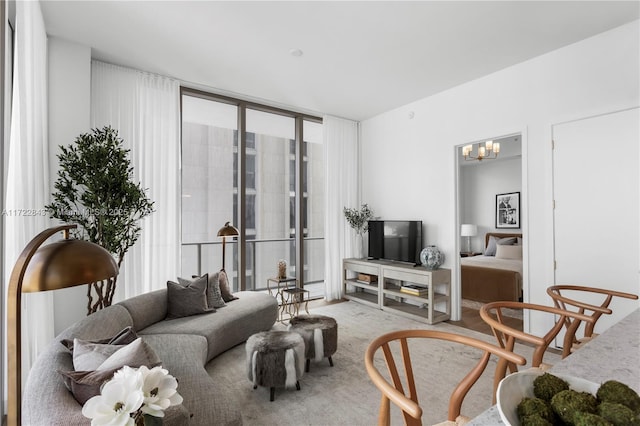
(343, 394)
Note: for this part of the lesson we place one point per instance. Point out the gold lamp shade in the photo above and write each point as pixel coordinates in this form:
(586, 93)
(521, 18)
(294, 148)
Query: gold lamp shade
(228, 230)
(68, 263)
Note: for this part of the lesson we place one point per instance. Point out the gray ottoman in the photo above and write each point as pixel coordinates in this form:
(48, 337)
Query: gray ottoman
(320, 334)
(275, 359)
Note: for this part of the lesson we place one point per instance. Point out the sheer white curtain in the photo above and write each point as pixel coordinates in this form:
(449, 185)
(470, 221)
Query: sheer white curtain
(28, 171)
(342, 162)
(145, 109)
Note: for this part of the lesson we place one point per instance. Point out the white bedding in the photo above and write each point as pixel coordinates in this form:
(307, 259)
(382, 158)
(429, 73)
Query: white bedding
(493, 262)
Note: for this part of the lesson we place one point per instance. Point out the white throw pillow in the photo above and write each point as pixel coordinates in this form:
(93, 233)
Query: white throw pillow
(134, 355)
(88, 356)
(509, 252)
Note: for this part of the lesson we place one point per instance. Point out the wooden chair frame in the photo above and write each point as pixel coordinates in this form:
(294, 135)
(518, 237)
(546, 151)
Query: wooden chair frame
(411, 410)
(492, 314)
(571, 341)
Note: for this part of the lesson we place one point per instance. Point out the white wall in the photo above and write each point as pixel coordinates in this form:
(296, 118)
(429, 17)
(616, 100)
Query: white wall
(409, 164)
(69, 107)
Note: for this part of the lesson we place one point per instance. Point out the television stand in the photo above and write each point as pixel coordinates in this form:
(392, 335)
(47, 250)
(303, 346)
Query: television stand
(401, 288)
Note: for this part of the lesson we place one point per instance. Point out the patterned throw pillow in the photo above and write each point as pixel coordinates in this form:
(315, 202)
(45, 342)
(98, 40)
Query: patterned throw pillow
(186, 300)
(214, 295)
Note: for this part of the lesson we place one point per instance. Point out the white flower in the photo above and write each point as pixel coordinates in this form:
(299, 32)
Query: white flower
(160, 391)
(120, 397)
(131, 393)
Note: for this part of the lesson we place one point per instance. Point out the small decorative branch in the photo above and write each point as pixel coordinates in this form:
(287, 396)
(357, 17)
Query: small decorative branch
(358, 218)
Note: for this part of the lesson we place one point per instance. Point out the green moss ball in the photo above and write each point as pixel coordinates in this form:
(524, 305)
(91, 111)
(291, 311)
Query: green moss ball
(569, 402)
(547, 385)
(618, 414)
(534, 406)
(614, 391)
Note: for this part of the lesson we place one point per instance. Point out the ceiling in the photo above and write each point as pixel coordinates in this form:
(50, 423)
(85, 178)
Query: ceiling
(359, 58)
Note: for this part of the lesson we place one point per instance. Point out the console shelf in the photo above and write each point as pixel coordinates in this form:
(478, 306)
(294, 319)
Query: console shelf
(431, 306)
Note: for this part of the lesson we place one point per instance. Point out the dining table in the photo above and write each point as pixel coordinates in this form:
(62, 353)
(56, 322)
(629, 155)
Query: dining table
(613, 355)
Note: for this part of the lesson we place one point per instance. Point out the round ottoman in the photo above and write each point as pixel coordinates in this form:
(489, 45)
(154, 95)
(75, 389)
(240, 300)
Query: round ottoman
(274, 359)
(320, 334)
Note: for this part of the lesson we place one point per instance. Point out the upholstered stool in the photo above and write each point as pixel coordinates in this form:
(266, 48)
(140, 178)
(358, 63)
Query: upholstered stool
(320, 334)
(274, 359)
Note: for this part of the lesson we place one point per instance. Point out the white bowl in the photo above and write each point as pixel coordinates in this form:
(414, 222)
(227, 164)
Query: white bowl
(519, 385)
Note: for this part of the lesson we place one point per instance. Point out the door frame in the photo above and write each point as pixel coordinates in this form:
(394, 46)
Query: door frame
(456, 305)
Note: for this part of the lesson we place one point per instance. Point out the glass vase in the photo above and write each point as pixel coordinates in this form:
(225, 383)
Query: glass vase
(359, 247)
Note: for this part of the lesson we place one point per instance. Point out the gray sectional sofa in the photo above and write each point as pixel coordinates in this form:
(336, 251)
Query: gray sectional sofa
(184, 345)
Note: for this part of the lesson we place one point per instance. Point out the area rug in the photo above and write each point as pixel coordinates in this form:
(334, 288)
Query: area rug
(344, 394)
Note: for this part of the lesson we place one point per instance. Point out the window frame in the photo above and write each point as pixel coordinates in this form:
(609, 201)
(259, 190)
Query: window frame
(299, 118)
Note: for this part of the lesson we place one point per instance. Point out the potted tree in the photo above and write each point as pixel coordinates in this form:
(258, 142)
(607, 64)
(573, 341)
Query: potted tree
(95, 190)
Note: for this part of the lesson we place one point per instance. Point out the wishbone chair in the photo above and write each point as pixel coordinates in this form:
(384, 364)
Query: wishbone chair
(407, 400)
(506, 336)
(571, 341)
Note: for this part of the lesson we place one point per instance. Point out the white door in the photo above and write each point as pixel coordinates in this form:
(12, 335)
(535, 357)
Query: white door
(596, 217)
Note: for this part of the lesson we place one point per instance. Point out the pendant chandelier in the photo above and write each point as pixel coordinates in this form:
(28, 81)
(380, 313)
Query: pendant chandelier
(487, 151)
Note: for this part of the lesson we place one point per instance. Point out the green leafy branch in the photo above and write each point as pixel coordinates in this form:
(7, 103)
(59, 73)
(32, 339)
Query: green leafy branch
(358, 218)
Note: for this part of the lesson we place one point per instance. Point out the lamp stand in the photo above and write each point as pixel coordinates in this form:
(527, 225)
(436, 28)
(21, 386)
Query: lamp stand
(223, 252)
(62, 264)
(14, 324)
(468, 244)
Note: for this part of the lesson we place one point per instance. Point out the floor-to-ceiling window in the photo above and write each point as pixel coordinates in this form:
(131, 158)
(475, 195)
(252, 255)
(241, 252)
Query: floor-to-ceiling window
(262, 170)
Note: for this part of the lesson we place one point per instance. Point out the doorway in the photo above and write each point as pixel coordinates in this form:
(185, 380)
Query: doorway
(491, 168)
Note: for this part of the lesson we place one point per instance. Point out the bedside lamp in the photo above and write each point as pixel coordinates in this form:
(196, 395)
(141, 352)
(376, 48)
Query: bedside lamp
(227, 230)
(468, 230)
(62, 264)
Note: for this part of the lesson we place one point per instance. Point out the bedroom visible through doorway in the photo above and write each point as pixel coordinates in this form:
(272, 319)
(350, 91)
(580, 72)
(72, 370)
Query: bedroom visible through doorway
(490, 194)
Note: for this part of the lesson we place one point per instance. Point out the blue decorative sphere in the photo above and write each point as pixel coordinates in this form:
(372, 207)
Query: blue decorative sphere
(431, 257)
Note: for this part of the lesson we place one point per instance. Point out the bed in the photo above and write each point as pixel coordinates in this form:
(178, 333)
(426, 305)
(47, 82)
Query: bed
(488, 278)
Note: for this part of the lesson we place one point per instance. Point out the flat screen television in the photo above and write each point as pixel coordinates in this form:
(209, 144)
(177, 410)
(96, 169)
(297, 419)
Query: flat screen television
(397, 240)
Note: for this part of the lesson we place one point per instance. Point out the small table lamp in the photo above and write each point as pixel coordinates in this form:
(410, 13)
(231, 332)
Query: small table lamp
(65, 263)
(227, 230)
(468, 230)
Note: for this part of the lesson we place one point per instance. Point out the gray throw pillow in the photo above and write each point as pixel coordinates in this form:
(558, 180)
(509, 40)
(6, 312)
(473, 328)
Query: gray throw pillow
(493, 241)
(124, 337)
(86, 384)
(225, 288)
(214, 297)
(186, 300)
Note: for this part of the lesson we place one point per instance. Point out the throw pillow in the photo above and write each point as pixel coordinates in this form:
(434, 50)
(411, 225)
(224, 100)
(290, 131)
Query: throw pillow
(124, 337)
(134, 355)
(225, 289)
(186, 300)
(509, 252)
(214, 297)
(87, 356)
(494, 241)
(86, 384)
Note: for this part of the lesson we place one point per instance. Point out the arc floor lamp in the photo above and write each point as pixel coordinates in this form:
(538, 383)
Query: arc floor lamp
(62, 264)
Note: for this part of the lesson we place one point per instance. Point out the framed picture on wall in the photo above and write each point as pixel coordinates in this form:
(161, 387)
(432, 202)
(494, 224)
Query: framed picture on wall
(508, 210)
